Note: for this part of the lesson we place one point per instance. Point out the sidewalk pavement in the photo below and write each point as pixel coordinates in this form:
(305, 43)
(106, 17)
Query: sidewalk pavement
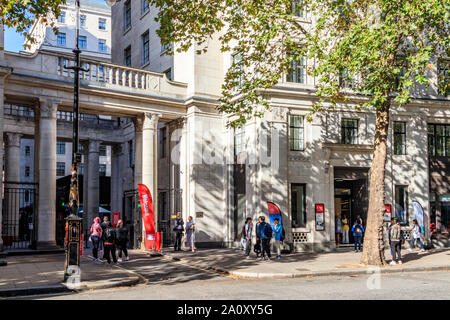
(43, 274)
(341, 262)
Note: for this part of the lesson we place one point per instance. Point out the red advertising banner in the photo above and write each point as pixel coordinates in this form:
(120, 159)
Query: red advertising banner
(115, 218)
(148, 218)
(320, 208)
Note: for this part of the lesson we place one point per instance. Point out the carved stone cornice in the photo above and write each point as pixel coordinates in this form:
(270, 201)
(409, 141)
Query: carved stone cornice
(151, 121)
(13, 139)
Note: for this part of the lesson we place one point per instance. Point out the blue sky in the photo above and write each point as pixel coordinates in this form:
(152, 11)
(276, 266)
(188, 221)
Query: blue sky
(14, 41)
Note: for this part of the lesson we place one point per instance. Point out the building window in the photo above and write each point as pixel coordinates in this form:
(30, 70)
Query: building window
(346, 80)
(163, 142)
(101, 45)
(83, 21)
(82, 42)
(298, 71)
(145, 48)
(80, 148)
(297, 9)
(62, 17)
(27, 171)
(399, 138)
(127, 15)
(60, 148)
(27, 195)
(102, 170)
(237, 67)
(144, 6)
(61, 39)
(439, 140)
(60, 169)
(296, 141)
(27, 151)
(162, 200)
(81, 168)
(102, 151)
(168, 74)
(130, 153)
(401, 204)
(127, 56)
(239, 140)
(101, 24)
(349, 131)
(298, 205)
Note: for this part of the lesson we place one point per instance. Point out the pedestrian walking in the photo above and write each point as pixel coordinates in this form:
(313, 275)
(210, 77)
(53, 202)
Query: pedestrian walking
(345, 230)
(257, 248)
(338, 229)
(248, 229)
(190, 232)
(396, 242)
(389, 236)
(178, 231)
(415, 236)
(103, 225)
(265, 234)
(110, 243)
(122, 240)
(96, 235)
(358, 232)
(277, 232)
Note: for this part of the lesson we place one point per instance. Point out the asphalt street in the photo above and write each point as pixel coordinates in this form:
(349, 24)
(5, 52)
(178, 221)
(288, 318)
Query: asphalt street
(169, 280)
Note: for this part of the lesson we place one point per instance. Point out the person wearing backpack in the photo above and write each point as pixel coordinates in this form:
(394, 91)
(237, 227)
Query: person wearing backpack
(415, 236)
(257, 247)
(358, 232)
(122, 240)
(278, 235)
(265, 236)
(110, 243)
(395, 236)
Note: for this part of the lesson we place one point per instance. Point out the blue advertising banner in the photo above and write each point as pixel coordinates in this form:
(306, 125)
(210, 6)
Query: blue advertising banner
(418, 215)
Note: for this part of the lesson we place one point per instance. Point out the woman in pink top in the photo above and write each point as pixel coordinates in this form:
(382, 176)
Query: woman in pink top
(96, 235)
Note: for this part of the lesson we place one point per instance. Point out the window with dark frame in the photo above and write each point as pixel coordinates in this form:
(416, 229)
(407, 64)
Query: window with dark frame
(101, 24)
(162, 142)
(145, 6)
(239, 140)
(62, 17)
(162, 200)
(127, 15)
(60, 169)
(296, 133)
(102, 170)
(82, 21)
(82, 42)
(27, 171)
(145, 48)
(127, 56)
(349, 131)
(399, 138)
(130, 153)
(60, 147)
(61, 39)
(27, 151)
(102, 151)
(298, 74)
(101, 45)
(439, 140)
(81, 169)
(298, 205)
(444, 76)
(297, 9)
(401, 204)
(237, 65)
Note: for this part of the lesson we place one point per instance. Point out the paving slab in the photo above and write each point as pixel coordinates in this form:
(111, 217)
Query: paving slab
(44, 273)
(342, 262)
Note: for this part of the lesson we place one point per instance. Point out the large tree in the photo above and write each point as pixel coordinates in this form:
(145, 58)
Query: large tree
(21, 14)
(383, 48)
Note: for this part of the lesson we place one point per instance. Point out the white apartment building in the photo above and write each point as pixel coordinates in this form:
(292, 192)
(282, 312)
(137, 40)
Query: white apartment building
(95, 31)
(323, 162)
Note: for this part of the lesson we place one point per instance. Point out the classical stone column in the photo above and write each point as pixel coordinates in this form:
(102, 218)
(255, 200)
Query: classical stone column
(47, 175)
(93, 182)
(12, 176)
(3, 73)
(146, 156)
(116, 179)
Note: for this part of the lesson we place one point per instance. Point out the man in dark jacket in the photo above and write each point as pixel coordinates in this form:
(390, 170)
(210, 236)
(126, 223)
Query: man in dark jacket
(265, 239)
(122, 240)
(103, 225)
(110, 242)
(178, 231)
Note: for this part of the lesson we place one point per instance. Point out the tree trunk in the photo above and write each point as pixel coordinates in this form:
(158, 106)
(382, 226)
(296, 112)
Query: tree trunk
(373, 250)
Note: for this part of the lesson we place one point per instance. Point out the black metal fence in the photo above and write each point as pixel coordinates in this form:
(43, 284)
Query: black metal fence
(19, 215)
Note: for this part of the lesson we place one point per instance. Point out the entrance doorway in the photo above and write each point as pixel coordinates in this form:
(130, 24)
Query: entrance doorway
(351, 196)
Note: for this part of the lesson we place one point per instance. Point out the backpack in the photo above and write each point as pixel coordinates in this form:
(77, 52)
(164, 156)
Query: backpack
(358, 230)
(110, 235)
(268, 230)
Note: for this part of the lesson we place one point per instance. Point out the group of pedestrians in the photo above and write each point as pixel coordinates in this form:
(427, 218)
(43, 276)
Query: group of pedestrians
(264, 234)
(396, 239)
(179, 228)
(112, 239)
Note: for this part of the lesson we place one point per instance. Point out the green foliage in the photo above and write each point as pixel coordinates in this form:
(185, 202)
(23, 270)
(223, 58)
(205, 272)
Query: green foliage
(383, 47)
(21, 14)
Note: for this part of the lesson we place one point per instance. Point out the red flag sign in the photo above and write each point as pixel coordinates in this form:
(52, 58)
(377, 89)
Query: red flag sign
(148, 217)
